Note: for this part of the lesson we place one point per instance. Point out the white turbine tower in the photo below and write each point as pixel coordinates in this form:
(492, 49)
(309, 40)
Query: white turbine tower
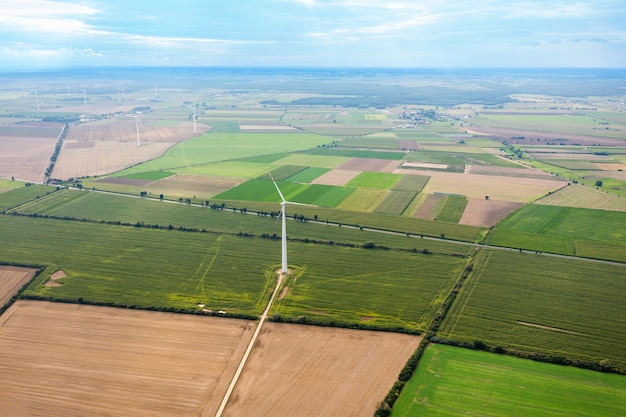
(137, 122)
(283, 203)
(37, 97)
(194, 116)
(84, 96)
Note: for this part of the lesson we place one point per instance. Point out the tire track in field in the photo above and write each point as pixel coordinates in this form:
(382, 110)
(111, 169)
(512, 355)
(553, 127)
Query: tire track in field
(216, 251)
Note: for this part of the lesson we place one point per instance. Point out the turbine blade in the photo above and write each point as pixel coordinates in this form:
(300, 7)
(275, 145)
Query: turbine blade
(278, 189)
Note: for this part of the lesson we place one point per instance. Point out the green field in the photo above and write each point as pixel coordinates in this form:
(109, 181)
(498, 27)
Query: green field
(411, 183)
(536, 303)
(363, 199)
(355, 153)
(214, 147)
(452, 209)
(143, 267)
(452, 381)
(160, 268)
(17, 196)
(388, 289)
(396, 202)
(106, 207)
(309, 174)
(283, 172)
(380, 180)
(152, 176)
(566, 230)
(7, 184)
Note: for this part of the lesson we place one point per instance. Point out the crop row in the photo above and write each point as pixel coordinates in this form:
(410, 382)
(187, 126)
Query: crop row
(539, 303)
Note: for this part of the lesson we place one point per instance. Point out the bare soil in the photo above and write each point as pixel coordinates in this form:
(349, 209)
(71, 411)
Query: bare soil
(531, 136)
(310, 371)
(12, 278)
(338, 177)
(75, 360)
(370, 164)
(486, 213)
(25, 158)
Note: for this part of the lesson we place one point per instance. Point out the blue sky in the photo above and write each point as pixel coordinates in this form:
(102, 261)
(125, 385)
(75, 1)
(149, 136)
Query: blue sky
(321, 33)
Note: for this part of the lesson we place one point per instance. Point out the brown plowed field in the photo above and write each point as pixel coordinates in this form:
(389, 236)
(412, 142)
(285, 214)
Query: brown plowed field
(521, 172)
(12, 278)
(426, 209)
(187, 185)
(64, 360)
(338, 177)
(478, 186)
(25, 158)
(370, 164)
(304, 371)
(486, 213)
(409, 144)
(104, 157)
(124, 130)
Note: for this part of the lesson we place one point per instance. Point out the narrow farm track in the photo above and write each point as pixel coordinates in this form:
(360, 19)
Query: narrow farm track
(244, 359)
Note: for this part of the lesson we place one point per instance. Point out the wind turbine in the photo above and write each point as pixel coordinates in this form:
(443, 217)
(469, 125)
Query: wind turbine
(137, 122)
(84, 96)
(37, 97)
(194, 116)
(283, 203)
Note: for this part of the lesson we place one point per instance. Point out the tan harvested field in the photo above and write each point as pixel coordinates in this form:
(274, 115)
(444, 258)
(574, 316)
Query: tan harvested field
(521, 190)
(522, 171)
(582, 196)
(486, 213)
(370, 164)
(103, 157)
(530, 136)
(25, 158)
(12, 278)
(609, 166)
(187, 185)
(245, 127)
(337, 177)
(572, 156)
(124, 130)
(304, 371)
(426, 165)
(64, 360)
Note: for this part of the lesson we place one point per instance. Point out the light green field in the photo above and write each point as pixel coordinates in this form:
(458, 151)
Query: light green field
(396, 202)
(17, 196)
(379, 180)
(537, 303)
(582, 125)
(235, 169)
(579, 196)
(452, 209)
(214, 147)
(7, 184)
(452, 381)
(312, 160)
(363, 199)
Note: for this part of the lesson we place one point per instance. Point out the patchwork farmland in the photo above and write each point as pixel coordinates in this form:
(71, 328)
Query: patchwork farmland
(493, 228)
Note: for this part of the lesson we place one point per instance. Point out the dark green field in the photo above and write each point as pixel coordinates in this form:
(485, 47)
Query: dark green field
(21, 195)
(537, 303)
(452, 382)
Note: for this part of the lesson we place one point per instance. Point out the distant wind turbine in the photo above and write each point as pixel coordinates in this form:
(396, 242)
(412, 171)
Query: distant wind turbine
(194, 116)
(137, 123)
(37, 97)
(283, 203)
(84, 97)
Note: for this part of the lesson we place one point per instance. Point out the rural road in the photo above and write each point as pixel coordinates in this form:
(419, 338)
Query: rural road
(244, 359)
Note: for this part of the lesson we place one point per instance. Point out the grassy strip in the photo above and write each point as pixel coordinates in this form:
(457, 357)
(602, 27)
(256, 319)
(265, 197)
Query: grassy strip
(19, 196)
